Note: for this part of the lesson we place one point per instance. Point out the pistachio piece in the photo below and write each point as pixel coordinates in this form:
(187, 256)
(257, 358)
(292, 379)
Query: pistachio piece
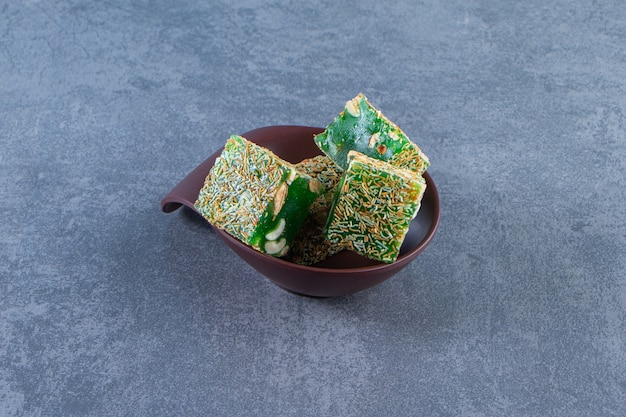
(279, 198)
(315, 186)
(277, 231)
(352, 107)
(272, 247)
(284, 251)
(293, 174)
(374, 139)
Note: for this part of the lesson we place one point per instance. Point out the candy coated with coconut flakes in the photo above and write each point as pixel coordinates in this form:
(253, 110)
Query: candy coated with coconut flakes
(256, 197)
(373, 207)
(363, 128)
(310, 245)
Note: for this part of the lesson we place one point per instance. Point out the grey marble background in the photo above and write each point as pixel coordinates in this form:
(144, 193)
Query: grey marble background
(109, 307)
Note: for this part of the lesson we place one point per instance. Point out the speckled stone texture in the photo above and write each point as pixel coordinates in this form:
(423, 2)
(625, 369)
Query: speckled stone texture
(108, 307)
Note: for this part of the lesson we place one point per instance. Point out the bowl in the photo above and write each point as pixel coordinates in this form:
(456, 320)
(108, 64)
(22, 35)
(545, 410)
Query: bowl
(341, 274)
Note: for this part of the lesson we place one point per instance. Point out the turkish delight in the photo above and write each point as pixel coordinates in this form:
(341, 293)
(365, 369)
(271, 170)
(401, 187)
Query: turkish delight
(373, 207)
(363, 128)
(310, 245)
(257, 197)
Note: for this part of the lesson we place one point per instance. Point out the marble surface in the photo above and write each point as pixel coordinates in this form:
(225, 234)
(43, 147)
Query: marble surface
(110, 307)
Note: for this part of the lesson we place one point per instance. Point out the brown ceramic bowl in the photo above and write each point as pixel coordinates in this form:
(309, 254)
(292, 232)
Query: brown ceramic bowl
(341, 274)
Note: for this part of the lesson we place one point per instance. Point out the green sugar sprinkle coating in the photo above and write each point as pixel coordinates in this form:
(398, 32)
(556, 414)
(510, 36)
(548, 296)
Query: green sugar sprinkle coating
(373, 207)
(257, 197)
(361, 127)
(310, 245)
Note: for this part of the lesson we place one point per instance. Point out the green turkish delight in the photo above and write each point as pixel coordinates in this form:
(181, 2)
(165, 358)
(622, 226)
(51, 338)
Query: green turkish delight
(323, 169)
(363, 128)
(373, 207)
(310, 245)
(257, 197)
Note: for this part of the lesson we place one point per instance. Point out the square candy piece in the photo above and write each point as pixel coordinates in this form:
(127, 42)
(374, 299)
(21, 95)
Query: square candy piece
(257, 197)
(373, 207)
(327, 172)
(363, 128)
(310, 244)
